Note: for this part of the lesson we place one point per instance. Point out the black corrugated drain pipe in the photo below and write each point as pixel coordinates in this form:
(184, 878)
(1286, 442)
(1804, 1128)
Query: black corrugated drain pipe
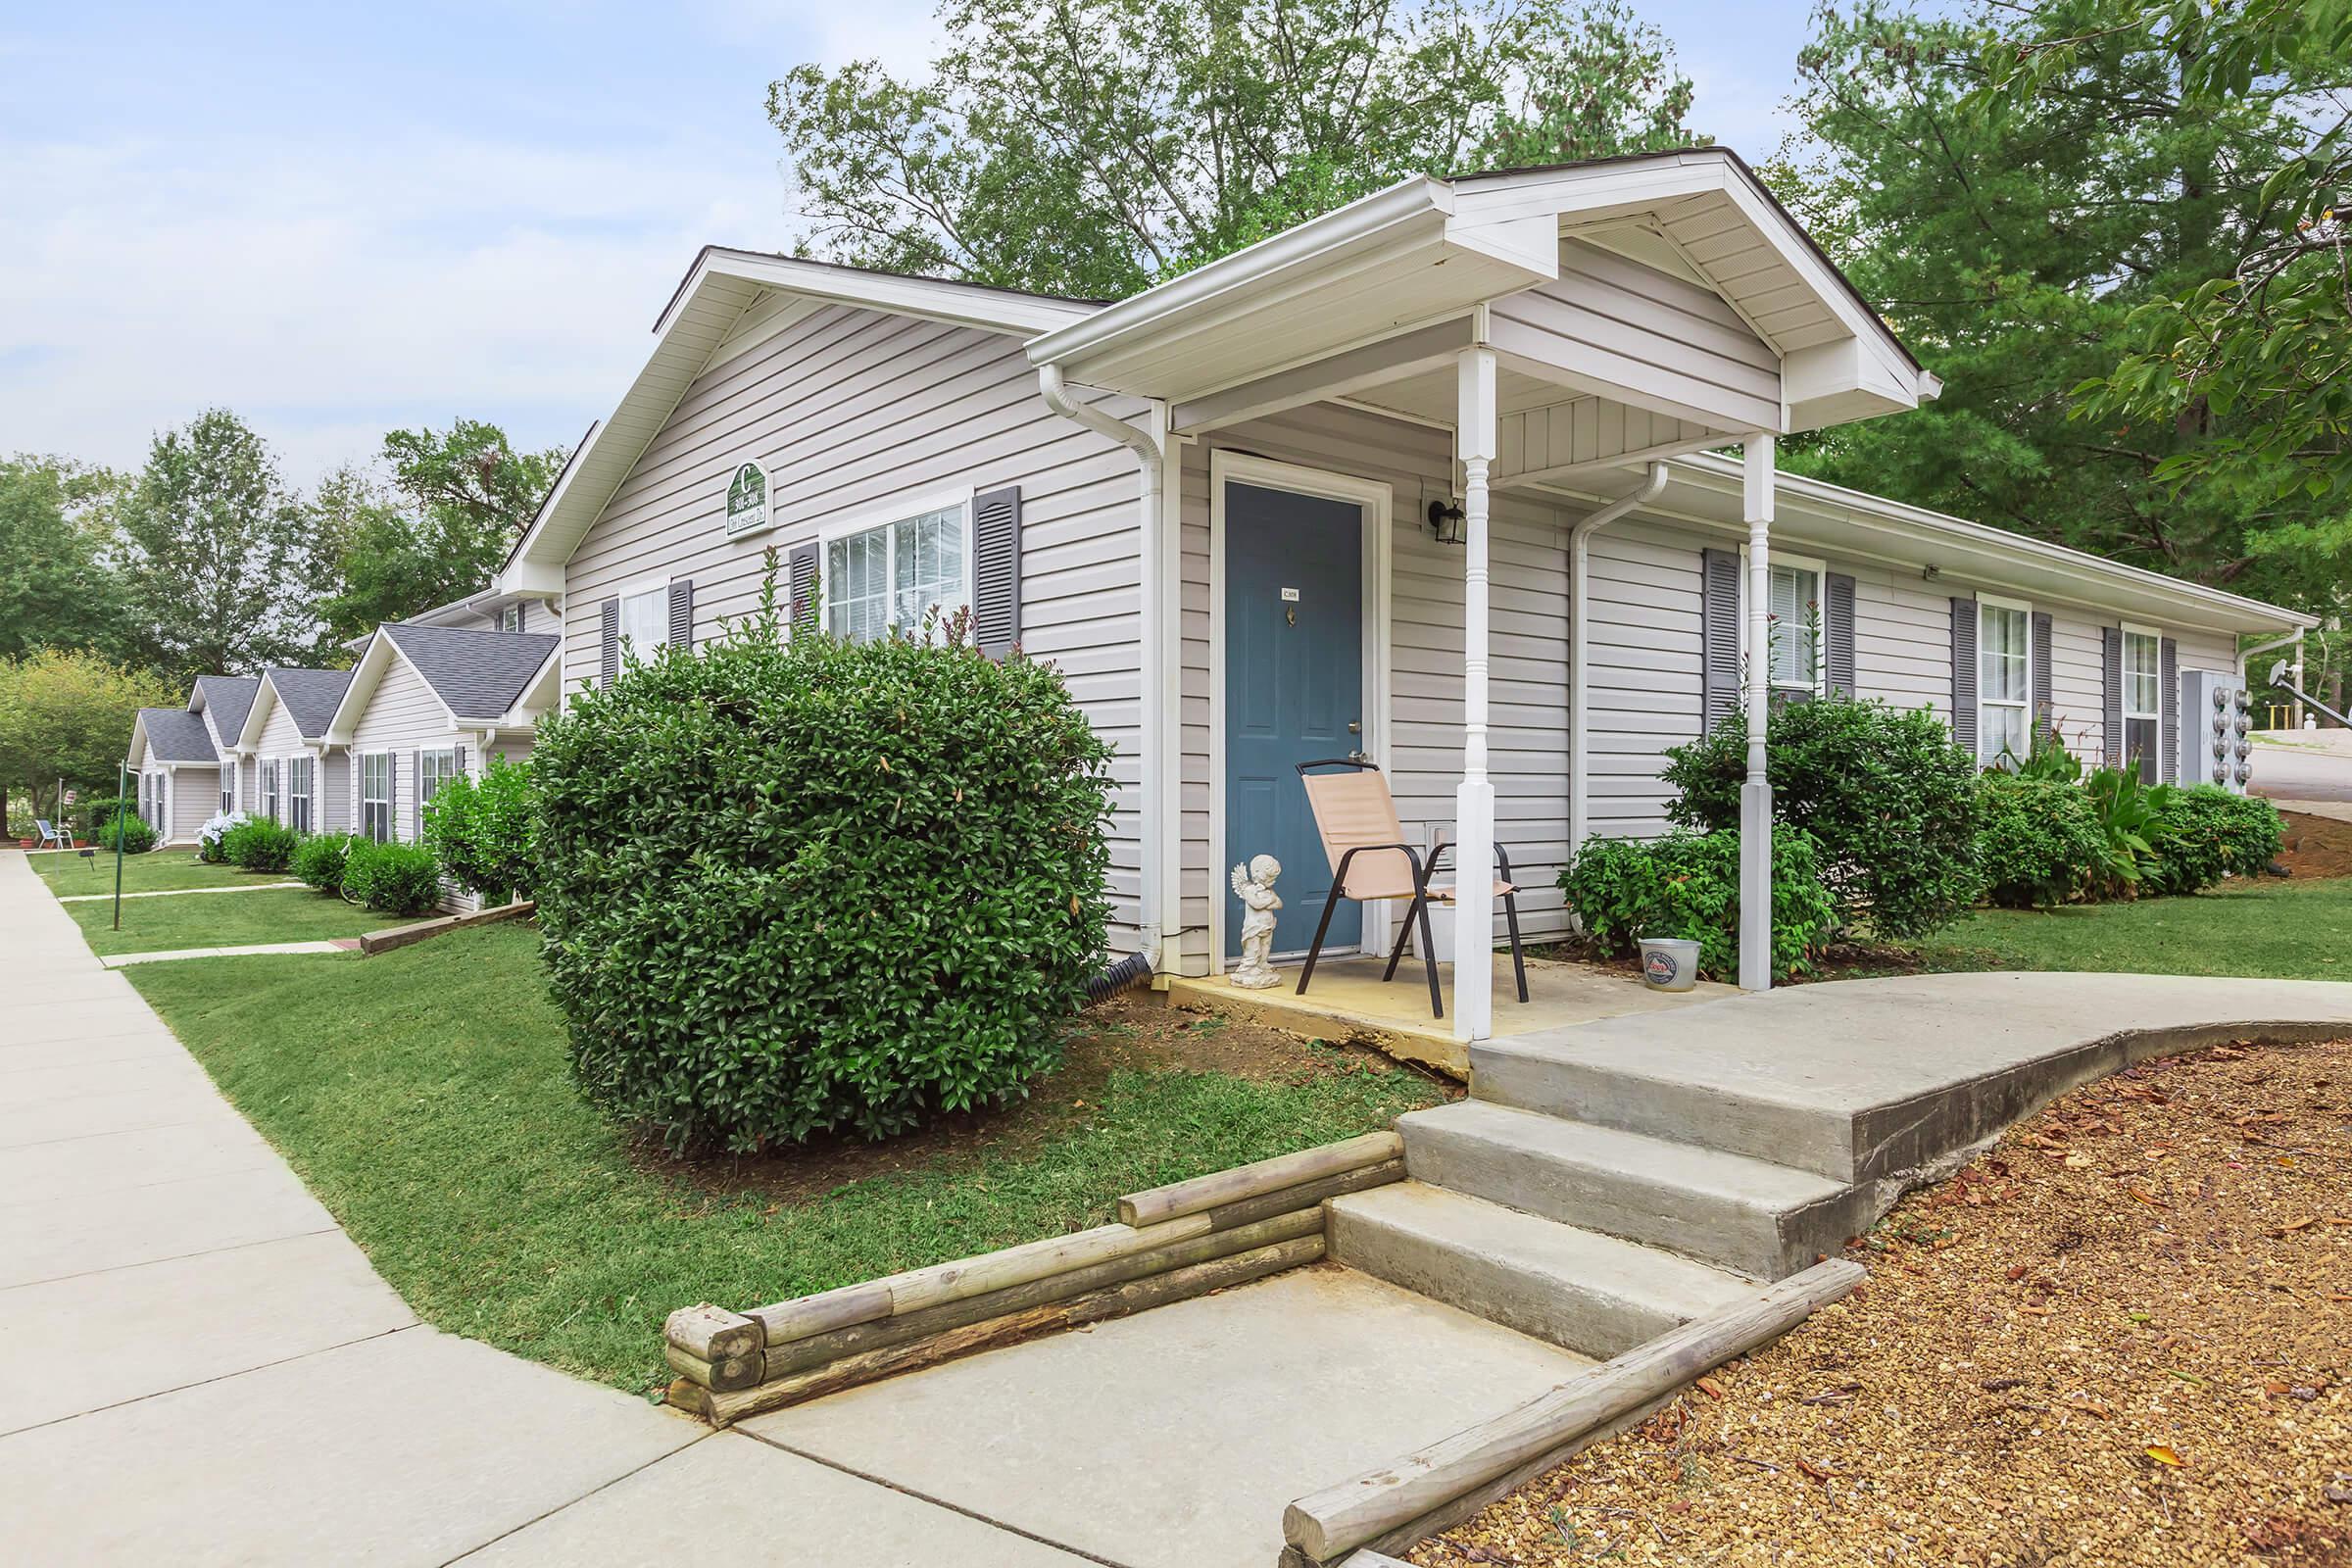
(1125, 975)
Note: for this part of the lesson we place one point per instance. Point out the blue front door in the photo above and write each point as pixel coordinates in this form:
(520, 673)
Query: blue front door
(1294, 692)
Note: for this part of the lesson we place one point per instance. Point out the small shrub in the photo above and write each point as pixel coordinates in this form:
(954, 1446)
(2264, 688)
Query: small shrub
(2201, 834)
(319, 860)
(94, 813)
(259, 844)
(793, 886)
(2040, 840)
(1889, 802)
(216, 827)
(1688, 885)
(391, 878)
(136, 836)
(480, 830)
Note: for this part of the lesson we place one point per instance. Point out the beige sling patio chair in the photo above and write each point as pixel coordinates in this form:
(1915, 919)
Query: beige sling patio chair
(1357, 817)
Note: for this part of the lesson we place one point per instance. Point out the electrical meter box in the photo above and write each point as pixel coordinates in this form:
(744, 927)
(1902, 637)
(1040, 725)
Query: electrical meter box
(2217, 741)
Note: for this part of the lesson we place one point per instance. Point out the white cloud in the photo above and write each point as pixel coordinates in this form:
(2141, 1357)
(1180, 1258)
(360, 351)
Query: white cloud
(334, 289)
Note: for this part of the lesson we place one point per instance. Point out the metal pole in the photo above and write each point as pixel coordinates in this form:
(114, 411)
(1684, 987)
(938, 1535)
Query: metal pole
(122, 783)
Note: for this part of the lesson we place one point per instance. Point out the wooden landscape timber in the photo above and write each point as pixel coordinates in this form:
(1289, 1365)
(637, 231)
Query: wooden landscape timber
(1398, 1504)
(1209, 1233)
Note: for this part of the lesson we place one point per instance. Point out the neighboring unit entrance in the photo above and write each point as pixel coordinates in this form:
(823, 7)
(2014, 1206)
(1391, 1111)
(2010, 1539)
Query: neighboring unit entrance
(1293, 692)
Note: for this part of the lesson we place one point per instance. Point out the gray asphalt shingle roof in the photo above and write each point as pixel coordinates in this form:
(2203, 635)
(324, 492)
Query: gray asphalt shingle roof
(480, 674)
(229, 698)
(310, 694)
(175, 735)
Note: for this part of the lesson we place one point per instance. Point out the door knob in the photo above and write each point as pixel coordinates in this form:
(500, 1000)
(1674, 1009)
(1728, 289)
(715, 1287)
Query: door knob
(1355, 726)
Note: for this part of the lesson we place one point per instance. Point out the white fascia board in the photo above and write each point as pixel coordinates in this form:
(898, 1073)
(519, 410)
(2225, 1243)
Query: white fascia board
(1238, 279)
(366, 676)
(934, 299)
(2094, 577)
(1837, 295)
(540, 693)
(256, 717)
(138, 743)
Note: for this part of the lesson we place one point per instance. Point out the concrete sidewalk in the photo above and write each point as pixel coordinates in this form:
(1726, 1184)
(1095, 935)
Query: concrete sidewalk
(197, 1366)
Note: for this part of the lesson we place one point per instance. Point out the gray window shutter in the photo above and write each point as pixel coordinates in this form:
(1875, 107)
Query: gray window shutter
(1838, 635)
(799, 580)
(681, 612)
(523, 615)
(416, 797)
(1964, 673)
(2111, 695)
(2167, 709)
(1718, 637)
(2044, 696)
(609, 647)
(997, 570)
(460, 754)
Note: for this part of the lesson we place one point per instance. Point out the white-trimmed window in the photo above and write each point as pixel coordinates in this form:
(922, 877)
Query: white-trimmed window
(893, 575)
(299, 773)
(376, 796)
(433, 769)
(268, 780)
(2143, 700)
(510, 617)
(1797, 622)
(2004, 679)
(645, 619)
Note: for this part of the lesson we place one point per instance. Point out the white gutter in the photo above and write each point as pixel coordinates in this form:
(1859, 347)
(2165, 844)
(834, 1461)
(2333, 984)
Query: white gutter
(2273, 644)
(1580, 568)
(1159, 924)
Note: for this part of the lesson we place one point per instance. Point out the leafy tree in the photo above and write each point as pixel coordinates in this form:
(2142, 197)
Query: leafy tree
(457, 500)
(2012, 227)
(2256, 358)
(58, 589)
(1092, 146)
(221, 559)
(67, 713)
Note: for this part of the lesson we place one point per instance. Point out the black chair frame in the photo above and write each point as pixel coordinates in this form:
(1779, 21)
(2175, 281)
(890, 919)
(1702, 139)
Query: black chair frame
(1417, 912)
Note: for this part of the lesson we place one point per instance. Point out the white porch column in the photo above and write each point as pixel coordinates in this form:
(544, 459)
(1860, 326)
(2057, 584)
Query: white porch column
(1755, 795)
(1475, 440)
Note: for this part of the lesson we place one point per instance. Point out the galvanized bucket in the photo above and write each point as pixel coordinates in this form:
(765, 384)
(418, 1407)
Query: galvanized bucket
(1669, 964)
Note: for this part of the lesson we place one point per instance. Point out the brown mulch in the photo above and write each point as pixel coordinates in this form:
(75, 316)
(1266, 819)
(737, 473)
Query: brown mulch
(2316, 845)
(2123, 1335)
(1130, 1034)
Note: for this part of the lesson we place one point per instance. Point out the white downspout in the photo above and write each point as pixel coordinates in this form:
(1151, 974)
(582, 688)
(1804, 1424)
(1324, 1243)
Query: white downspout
(2247, 658)
(1580, 540)
(1160, 916)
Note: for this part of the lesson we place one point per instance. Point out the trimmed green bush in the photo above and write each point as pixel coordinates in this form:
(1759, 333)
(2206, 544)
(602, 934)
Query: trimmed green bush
(319, 860)
(259, 844)
(1688, 885)
(92, 814)
(2199, 835)
(793, 886)
(1889, 799)
(137, 837)
(2039, 842)
(391, 878)
(480, 830)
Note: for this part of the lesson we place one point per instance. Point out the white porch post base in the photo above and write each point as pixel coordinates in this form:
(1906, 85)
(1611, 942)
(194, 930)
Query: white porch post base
(1474, 910)
(1756, 886)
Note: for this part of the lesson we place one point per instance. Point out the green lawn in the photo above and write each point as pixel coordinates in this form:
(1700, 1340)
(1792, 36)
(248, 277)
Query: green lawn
(224, 920)
(2296, 930)
(157, 871)
(425, 1097)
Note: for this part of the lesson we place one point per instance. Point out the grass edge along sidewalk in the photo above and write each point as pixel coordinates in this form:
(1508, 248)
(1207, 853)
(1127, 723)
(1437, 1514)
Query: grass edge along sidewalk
(425, 1097)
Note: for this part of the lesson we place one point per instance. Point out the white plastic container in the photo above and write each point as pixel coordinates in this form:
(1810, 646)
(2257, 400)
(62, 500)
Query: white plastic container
(1669, 964)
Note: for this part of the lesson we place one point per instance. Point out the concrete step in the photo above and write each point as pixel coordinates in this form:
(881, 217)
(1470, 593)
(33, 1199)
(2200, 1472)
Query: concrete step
(1738, 1213)
(1592, 1294)
(1771, 1116)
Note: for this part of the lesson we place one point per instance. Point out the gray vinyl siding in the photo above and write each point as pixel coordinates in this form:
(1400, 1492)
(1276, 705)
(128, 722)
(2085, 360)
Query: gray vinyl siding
(1902, 636)
(2078, 686)
(1663, 340)
(403, 718)
(1527, 735)
(195, 797)
(1645, 685)
(850, 410)
(279, 740)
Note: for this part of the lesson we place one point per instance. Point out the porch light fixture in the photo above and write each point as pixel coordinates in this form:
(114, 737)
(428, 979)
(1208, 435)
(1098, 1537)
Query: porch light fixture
(1446, 522)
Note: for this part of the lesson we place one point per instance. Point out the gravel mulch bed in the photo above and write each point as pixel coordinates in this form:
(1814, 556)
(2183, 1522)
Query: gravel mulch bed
(2123, 1335)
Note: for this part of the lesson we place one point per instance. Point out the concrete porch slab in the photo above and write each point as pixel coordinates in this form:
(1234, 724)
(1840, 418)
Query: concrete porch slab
(1175, 1437)
(1863, 1079)
(1348, 1000)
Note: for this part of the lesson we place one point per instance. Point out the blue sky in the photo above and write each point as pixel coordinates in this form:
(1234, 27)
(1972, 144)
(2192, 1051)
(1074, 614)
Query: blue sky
(337, 218)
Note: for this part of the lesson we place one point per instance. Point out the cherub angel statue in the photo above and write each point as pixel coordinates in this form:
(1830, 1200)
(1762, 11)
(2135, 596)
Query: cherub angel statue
(1253, 885)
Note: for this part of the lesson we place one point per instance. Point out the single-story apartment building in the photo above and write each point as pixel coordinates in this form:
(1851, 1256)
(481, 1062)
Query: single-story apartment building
(175, 771)
(298, 777)
(1437, 480)
(428, 703)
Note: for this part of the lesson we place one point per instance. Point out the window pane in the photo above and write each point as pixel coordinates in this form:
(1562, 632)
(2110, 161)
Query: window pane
(928, 571)
(1795, 596)
(2001, 655)
(858, 585)
(2140, 682)
(645, 620)
(1999, 729)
